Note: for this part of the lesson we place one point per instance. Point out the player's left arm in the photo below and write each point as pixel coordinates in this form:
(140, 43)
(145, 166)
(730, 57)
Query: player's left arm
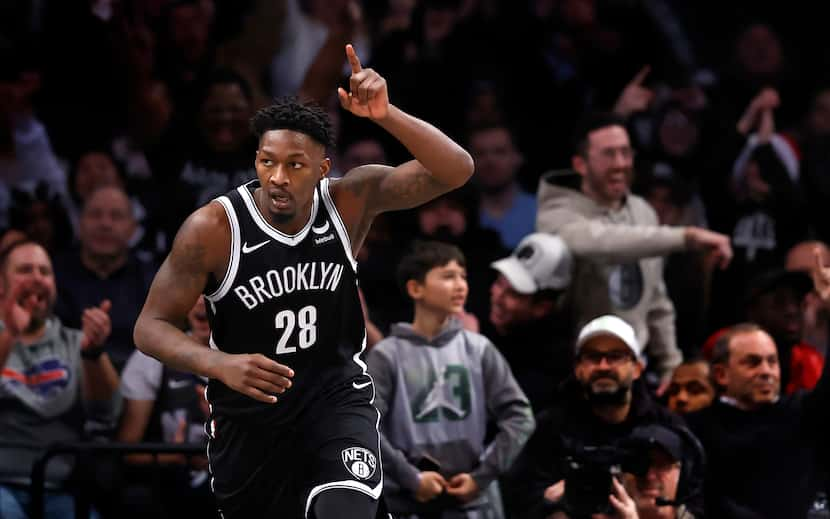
(440, 164)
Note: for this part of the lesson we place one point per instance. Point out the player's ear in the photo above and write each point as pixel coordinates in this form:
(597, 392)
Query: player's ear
(325, 167)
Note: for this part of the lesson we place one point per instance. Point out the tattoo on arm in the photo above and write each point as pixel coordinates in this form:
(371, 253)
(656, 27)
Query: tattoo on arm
(189, 266)
(409, 185)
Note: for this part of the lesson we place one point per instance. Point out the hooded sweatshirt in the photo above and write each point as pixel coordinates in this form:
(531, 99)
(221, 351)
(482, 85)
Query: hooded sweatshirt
(436, 398)
(619, 262)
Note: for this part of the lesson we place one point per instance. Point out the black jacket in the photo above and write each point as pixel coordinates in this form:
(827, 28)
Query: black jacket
(570, 422)
(766, 463)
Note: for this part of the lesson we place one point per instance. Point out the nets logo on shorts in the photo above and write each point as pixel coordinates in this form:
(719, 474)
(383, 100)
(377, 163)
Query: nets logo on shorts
(359, 461)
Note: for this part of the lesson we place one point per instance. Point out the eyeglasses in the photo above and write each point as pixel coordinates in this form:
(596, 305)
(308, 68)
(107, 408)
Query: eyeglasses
(614, 357)
(627, 153)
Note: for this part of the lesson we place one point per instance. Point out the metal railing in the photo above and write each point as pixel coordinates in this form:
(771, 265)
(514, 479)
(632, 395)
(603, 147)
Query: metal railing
(37, 487)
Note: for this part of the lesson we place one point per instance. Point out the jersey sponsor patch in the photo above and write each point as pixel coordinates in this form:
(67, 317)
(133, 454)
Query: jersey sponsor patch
(361, 463)
(324, 239)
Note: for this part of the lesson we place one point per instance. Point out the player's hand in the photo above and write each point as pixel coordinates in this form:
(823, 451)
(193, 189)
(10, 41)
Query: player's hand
(634, 97)
(256, 376)
(463, 487)
(714, 243)
(430, 486)
(367, 96)
(96, 325)
(17, 306)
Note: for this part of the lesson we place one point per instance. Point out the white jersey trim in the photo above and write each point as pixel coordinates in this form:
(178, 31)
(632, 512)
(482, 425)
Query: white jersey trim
(339, 226)
(351, 484)
(233, 261)
(267, 228)
(348, 484)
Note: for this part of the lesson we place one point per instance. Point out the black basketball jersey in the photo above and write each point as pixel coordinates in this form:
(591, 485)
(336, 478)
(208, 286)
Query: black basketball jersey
(292, 298)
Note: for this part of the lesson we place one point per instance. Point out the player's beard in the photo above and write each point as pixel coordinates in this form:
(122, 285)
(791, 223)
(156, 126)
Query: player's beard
(279, 218)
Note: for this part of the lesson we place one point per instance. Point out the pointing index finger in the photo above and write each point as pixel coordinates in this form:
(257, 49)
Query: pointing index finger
(641, 75)
(354, 61)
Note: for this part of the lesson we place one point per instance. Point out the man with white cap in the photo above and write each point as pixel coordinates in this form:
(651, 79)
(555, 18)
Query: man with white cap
(600, 407)
(526, 322)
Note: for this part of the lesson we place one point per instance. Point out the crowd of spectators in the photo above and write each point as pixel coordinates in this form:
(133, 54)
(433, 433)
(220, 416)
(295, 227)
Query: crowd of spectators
(637, 241)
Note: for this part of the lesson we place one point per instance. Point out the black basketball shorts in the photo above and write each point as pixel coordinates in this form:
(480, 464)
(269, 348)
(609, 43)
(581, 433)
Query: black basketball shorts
(277, 472)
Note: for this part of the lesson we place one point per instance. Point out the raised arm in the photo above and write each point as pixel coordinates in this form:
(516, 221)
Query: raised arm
(815, 412)
(440, 164)
(201, 248)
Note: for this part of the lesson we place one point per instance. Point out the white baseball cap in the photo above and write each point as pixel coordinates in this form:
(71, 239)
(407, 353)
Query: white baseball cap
(541, 261)
(609, 325)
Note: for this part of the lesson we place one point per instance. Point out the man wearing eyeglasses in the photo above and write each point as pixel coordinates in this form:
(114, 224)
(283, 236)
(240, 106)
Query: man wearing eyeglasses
(599, 409)
(616, 239)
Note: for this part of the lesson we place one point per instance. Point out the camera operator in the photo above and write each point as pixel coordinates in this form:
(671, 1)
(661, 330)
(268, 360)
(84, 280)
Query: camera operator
(599, 408)
(671, 453)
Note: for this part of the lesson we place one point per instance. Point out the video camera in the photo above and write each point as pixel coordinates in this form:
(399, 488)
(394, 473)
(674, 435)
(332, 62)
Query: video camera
(588, 471)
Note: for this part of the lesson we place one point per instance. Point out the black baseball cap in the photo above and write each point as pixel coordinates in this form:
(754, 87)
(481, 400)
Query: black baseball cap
(660, 436)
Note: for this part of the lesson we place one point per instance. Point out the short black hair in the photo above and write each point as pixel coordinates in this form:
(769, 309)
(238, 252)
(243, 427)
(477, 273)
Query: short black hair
(288, 113)
(591, 123)
(424, 256)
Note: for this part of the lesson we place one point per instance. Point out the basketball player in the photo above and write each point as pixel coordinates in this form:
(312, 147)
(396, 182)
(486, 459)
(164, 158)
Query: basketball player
(293, 432)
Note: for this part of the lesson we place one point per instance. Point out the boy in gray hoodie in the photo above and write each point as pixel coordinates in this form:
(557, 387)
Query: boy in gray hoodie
(438, 386)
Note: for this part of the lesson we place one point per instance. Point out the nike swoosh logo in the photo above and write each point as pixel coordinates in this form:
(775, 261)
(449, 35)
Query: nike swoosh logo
(360, 386)
(178, 384)
(323, 229)
(246, 249)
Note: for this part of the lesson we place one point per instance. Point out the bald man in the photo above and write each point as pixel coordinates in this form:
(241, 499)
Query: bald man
(816, 316)
(105, 268)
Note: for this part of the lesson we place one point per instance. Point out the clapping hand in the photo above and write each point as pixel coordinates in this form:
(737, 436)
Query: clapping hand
(96, 325)
(17, 306)
(759, 111)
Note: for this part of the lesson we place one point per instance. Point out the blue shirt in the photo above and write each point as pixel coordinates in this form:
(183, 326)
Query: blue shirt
(516, 223)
